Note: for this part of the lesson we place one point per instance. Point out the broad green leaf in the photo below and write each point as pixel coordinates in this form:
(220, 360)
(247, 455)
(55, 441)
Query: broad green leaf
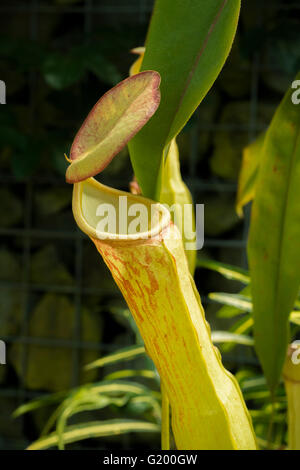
(248, 173)
(187, 43)
(113, 121)
(274, 240)
(121, 355)
(230, 272)
(79, 432)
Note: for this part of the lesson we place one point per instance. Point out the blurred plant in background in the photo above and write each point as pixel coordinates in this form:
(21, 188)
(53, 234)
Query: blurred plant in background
(126, 393)
(269, 416)
(123, 393)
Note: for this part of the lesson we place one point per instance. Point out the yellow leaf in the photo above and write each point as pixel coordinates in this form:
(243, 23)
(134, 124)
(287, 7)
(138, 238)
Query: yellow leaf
(248, 173)
(151, 270)
(176, 194)
(136, 66)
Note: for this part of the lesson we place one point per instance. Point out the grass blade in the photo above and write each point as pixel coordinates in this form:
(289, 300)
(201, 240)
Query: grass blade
(121, 355)
(94, 429)
(230, 272)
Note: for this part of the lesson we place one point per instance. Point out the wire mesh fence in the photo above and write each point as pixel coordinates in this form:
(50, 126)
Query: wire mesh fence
(27, 233)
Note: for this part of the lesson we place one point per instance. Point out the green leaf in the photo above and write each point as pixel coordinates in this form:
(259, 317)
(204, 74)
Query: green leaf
(40, 402)
(228, 337)
(94, 429)
(106, 71)
(124, 374)
(274, 240)
(253, 384)
(60, 71)
(121, 355)
(118, 387)
(81, 402)
(240, 302)
(187, 43)
(230, 272)
(105, 387)
(176, 195)
(113, 121)
(295, 318)
(231, 308)
(248, 173)
(142, 404)
(235, 304)
(240, 327)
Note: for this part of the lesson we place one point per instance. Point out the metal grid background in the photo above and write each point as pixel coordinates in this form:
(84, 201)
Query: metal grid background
(138, 11)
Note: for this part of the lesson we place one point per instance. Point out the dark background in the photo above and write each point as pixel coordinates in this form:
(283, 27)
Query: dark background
(58, 302)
